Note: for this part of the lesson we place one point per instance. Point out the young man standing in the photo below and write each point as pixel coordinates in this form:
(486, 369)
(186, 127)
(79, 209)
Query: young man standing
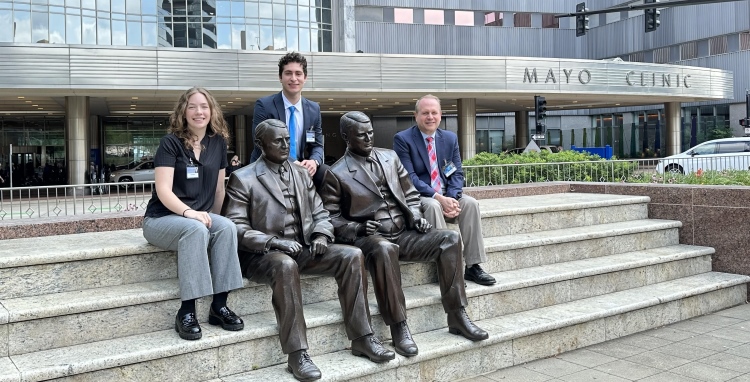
(433, 161)
(301, 115)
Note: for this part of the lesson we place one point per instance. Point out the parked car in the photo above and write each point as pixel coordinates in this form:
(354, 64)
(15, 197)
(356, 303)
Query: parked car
(717, 155)
(140, 173)
(519, 150)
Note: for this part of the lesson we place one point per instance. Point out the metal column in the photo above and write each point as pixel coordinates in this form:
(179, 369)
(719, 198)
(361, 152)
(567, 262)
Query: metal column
(674, 128)
(467, 127)
(240, 138)
(522, 128)
(76, 138)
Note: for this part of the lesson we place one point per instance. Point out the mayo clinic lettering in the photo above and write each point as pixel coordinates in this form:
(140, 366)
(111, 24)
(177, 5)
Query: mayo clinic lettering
(632, 78)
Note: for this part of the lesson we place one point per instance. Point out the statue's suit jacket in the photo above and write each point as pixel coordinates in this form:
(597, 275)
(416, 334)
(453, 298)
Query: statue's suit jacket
(351, 202)
(255, 203)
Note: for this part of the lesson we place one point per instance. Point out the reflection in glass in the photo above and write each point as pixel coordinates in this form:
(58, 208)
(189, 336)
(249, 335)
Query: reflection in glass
(237, 32)
(223, 8)
(304, 14)
(88, 4)
(209, 35)
(224, 36)
(73, 3)
(133, 6)
(278, 11)
(266, 11)
(252, 37)
(88, 31)
(291, 39)
(279, 38)
(304, 40)
(134, 33)
(149, 34)
(165, 34)
(251, 9)
(118, 6)
(6, 18)
(195, 35)
(39, 31)
(180, 35)
(266, 37)
(102, 5)
(148, 7)
(56, 28)
(119, 36)
(72, 29)
(314, 39)
(22, 20)
(327, 42)
(103, 33)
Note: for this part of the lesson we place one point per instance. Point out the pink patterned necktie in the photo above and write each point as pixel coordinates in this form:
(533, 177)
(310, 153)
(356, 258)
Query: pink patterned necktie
(434, 171)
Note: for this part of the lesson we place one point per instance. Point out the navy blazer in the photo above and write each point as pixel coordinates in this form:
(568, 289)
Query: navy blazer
(272, 107)
(412, 150)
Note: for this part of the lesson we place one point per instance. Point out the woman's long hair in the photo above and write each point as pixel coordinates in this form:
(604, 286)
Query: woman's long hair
(178, 123)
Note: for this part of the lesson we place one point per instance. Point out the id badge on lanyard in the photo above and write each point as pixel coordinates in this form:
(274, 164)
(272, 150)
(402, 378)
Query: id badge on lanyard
(449, 168)
(310, 135)
(192, 170)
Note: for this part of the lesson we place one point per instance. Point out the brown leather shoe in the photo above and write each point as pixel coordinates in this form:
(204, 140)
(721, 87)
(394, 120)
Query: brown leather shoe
(370, 346)
(460, 324)
(302, 367)
(402, 340)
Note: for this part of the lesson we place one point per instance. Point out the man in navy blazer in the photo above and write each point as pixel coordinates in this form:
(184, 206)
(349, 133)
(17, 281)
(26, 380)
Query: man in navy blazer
(442, 197)
(308, 151)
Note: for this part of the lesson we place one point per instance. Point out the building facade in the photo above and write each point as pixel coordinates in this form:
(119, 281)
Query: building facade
(94, 80)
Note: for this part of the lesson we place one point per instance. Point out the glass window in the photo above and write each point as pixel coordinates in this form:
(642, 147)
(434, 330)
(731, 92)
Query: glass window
(304, 14)
(6, 18)
(238, 30)
(195, 35)
(266, 11)
(493, 19)
(223, 8)
(326, 15)
(133, 6)
(72, 29)
(403, 15)
(102, 5)
(464, 18)
(304, 40)
(292, 38)
(550, 21)
(209, 35)
(314, 39)
(179, 31)
(56, 28)
(238, 9)
(39, 30)
(88, 4)
(661, 55)
(119, 34)
(717, 45)
(278, 12)
(148, 7)
(133, 33)
(103, 32)
(688, 50)
(522, 20)
(88, 31)
(279, 38)
(745, 41)
(118, 7)
(22, 20)
(251, 9)
(327, 41)
(224, 36)
(708, 148)
(164, 34)
(149, 34)
(73, 3)
(291, 12)
(731, 147)
(434, 16)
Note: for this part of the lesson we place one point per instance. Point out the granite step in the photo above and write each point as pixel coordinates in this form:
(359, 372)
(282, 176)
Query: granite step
(515, 338)
(133, 309)
(525, 214)
(526, 336)
(547, 247)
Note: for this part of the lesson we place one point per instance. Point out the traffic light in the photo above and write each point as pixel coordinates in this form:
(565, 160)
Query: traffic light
(540, 109)
(743, 122)
(651, 16)
(582, 21)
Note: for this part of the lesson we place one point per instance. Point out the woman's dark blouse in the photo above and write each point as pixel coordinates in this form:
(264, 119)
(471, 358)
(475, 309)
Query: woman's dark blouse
(199, 193)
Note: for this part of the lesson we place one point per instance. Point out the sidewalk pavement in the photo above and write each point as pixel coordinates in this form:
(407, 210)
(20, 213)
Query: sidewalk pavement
(714, 347)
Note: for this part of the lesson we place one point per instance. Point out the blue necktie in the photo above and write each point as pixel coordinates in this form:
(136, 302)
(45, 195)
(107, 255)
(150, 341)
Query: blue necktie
(292, 134)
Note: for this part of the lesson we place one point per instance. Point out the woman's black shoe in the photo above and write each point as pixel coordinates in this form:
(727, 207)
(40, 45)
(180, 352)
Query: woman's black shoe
(187, 326)
(226, 318)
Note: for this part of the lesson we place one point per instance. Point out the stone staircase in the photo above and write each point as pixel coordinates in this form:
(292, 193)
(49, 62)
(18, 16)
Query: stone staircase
(573, 270)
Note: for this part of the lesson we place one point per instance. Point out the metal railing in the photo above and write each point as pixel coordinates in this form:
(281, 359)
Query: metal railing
(78, 199)
(88, 199)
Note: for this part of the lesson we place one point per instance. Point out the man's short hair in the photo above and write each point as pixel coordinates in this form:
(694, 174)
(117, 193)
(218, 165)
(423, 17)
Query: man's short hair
(430, 96)
(351, 119)
(293, 57)
(266, 127)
